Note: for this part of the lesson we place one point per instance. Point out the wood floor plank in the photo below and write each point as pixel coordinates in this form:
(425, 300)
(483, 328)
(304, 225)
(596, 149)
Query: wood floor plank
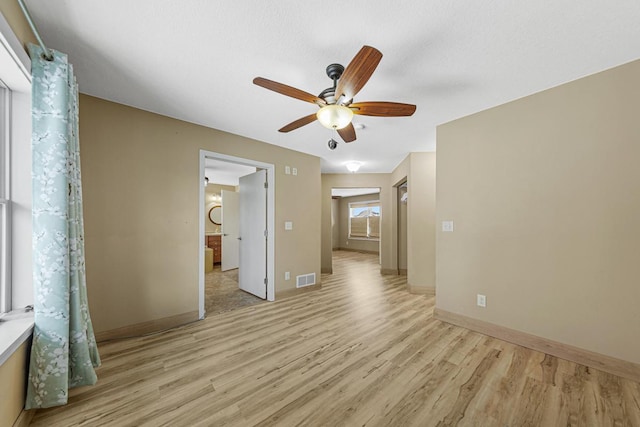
(407, 360)
(631, 393)
(470, 389)
(363, 357)
(361, 351)
(611, 406)
(509, 381)
(421, 391)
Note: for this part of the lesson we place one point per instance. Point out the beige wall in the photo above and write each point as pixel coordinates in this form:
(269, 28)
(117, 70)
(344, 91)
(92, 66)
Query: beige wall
(13, 14)
(343, 215)
(421, 219)
(335, 223)
(13, 380)
(419, 170)
(142, 245)
(544, 195)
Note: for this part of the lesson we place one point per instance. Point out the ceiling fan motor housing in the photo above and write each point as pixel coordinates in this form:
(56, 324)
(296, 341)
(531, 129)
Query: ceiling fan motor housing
(329, 95)
(334, 71)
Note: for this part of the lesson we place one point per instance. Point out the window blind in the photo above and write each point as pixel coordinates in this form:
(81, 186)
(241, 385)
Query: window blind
(359, 226)
(374, 226)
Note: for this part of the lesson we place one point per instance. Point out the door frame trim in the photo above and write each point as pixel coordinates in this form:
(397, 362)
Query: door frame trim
(204, 154)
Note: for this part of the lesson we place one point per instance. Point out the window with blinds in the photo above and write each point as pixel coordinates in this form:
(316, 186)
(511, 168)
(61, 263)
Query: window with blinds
(364, 220)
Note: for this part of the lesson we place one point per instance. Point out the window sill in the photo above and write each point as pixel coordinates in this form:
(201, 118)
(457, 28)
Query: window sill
(15, 328)
(369, 239)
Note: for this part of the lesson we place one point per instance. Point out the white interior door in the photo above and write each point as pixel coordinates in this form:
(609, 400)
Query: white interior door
(253, 241)
(230, 230)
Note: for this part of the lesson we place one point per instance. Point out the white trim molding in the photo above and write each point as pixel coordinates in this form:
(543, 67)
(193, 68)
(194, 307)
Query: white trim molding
(15, 63)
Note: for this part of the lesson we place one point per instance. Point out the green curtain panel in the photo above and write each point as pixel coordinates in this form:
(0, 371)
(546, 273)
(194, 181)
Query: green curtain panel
(64, 352)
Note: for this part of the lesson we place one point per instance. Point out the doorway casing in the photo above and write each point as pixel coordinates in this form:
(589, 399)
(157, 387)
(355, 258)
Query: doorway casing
(270, 168)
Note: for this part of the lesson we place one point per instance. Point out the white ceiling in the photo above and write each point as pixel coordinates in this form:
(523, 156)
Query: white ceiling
(195, 60)
(349, 192)
(225, 173)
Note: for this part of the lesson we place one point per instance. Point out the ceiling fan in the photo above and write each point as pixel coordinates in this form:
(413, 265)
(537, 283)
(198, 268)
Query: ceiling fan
(336, 103)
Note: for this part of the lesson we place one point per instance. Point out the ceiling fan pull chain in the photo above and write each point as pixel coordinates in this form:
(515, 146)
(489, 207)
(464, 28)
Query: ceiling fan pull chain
(333, 143)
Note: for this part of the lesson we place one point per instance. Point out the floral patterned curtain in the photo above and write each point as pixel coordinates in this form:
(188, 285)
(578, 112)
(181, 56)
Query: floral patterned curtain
(64, 351)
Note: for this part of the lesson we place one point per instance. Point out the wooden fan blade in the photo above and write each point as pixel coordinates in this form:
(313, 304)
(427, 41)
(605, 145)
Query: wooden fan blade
(358, 72)
(288, 90)
(347, 133)
(382, 109)
(298, 123)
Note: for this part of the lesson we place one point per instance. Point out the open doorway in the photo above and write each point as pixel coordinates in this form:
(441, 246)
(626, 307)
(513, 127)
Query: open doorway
(355, 219)
(402, 228)
(236, 220)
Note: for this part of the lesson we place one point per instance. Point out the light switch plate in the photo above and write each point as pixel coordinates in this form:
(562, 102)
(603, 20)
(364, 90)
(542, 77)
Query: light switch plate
(288, 225)
(482, 300)
(294, 171)
(447, 226)
(287, 170)
(287, 275)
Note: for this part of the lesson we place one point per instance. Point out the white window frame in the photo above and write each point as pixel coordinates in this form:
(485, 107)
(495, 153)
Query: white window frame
(5, 200)
(15, 74)
(355, 205)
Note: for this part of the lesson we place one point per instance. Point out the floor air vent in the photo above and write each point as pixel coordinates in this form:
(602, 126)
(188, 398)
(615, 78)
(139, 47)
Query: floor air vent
(305, 280)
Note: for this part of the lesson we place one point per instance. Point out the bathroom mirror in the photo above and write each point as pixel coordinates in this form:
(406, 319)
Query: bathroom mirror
(215, 215)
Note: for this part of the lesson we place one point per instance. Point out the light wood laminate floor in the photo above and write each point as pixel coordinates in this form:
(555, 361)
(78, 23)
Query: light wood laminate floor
(360, 351)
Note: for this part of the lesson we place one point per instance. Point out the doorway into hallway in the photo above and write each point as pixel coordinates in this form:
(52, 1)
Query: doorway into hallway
(355, 219)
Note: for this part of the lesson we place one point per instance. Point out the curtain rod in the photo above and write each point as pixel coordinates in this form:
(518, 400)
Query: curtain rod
(47, 54)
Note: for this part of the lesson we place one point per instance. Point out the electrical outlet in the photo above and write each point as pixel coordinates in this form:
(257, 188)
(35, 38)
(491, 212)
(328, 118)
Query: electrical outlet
(482, 300)
(294, 171)
(447, 226)
(287, 275)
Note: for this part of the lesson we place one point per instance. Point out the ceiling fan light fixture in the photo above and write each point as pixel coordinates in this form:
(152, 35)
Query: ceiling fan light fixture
(334, 116)
(353, 166)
